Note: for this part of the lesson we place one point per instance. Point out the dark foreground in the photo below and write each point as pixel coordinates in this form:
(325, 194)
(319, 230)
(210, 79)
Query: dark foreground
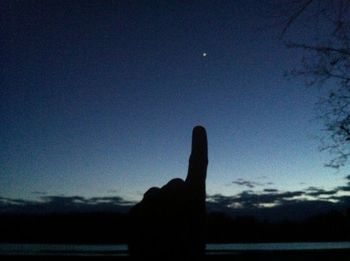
(299, 255)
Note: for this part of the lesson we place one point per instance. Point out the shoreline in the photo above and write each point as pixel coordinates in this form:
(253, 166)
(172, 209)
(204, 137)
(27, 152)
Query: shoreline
(237, 255)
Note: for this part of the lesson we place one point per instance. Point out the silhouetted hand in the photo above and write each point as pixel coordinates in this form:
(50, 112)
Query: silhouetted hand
(170, 221)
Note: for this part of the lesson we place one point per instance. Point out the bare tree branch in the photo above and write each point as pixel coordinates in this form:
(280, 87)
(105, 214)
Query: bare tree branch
(342, 51)
(295, 15)
(328, 61)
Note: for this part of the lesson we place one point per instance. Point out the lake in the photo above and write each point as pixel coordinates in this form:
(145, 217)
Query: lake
(121, 250)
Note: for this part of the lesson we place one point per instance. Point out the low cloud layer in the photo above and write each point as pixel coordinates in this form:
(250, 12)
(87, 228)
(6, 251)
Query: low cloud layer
(250, 184)
(269, 203)
(246, 183)
(65, 204)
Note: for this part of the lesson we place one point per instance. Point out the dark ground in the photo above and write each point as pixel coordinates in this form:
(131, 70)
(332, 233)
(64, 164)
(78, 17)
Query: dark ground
(113, 228)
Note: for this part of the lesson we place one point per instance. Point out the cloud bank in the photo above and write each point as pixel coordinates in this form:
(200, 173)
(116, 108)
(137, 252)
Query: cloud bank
(269, 203)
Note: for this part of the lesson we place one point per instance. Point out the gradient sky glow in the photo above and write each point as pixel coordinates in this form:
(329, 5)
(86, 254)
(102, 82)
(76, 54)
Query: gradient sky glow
(100, 98)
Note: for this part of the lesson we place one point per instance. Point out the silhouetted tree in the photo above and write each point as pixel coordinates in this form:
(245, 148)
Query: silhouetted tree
(326, 62)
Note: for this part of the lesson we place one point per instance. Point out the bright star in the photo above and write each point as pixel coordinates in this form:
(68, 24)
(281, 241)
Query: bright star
(204, 54)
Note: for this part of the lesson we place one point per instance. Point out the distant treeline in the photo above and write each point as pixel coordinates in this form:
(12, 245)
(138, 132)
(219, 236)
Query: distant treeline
(104, 228)
(331, 226)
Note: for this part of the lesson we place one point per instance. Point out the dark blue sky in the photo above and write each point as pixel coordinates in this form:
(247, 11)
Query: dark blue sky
(100, 97)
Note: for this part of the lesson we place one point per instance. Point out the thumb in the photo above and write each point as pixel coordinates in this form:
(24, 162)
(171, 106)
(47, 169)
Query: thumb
(197, 169)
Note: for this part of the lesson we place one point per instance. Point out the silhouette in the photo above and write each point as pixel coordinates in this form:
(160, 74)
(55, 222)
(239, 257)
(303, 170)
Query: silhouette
(170, 221)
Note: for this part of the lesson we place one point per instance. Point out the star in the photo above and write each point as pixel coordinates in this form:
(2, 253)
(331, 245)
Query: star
(204, 54)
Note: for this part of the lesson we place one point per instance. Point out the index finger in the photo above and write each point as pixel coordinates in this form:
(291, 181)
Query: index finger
(197, 169)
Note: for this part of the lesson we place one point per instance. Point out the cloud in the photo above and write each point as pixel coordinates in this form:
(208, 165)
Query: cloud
(251, 184)
(345, 188)
(246, 183)
(271, 190)
(65, 204)
(318, 192)
(249, 199)
(269, 203)
(274, 205)
(39, 193)
(255, 199)
(112, 191)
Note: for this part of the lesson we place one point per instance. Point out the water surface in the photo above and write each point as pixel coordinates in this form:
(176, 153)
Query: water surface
(68, 249)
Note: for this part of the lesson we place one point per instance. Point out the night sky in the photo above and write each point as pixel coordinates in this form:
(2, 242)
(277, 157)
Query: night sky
(99, 98)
